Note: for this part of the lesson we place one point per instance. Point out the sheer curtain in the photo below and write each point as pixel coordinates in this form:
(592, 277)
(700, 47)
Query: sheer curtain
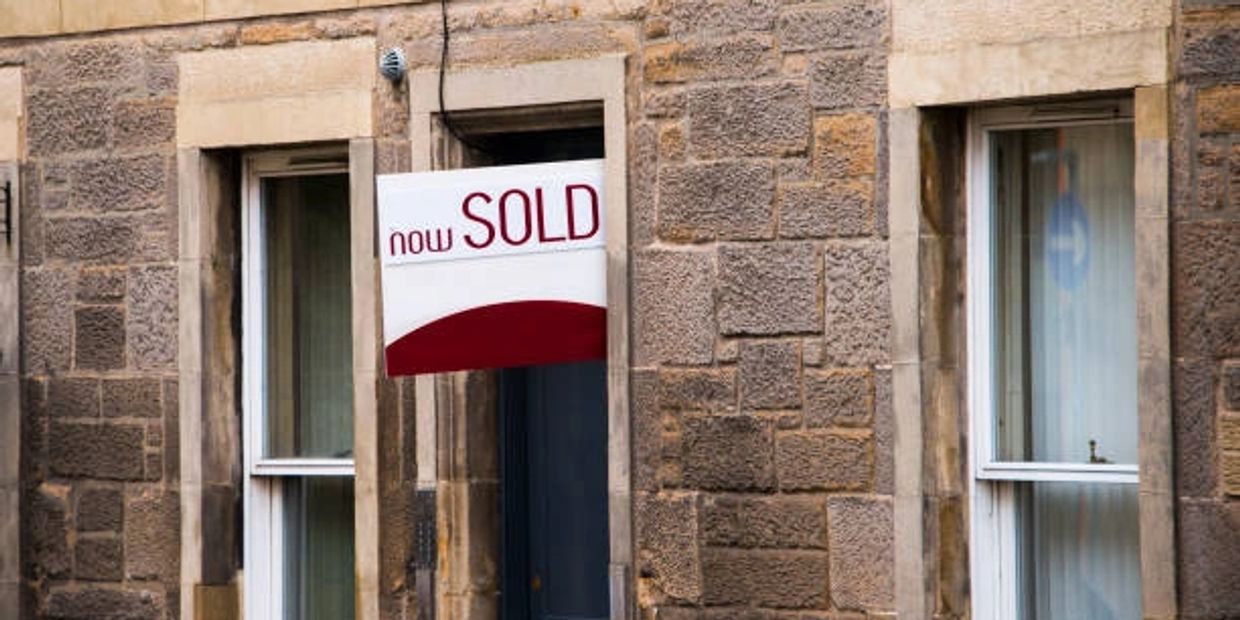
(1066, 356)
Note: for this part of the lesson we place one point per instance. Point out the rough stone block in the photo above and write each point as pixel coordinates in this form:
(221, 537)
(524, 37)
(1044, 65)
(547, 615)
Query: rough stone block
(776, 579)
(66, 120)
(1208, 46)
(1231, 473)
(73, 397)
(145, 122)
(768, 289)
(46, 549)
(1206, 289)
(728, 200)
(664, 103)
(108, 451)
(1218, 109)
(172, 414)
(1194, 426)
(847, 80)
(1209, 559)
(741, 57)
(770, 374)
(673, 307)
(857, 305)
(101, 285)
(647, 447)
(1229, 432)
(667, 533)
(728, 453)
(99, 510)
(1231, 387)
(47, 320)
(77, 603)
(884, 434)
(119, 183)
(824, 461)
(99, 338)
(848, 24)
(108, 239)
(672, 141)
(132, 398)
(778, 522)
(152, 534)
(749, 120)
(862, 547)
(697, 389)
(838, 398)
(98, 559)
(152, 324)
(845, 145)
(834, 208)
(724, 16)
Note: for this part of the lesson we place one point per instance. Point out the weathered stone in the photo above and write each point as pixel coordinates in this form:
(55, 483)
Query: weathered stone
(1206, 289)
(47, 320)
(152, 535)
(45, 532)
(1231, 388)
(824, 461)
(71, 119)
(109, 61)
(852, 23)
(99, 338)
(110, 239)
(152, 336)
(99, 510)
(834, 208)
(172, 413)
(778, 579)
(643, 160)
(109, 451)
(728, 453)
(98, 559)
(98, 603)
(697, 389)
(697, 17)
(101, 285)
(152, 467)
(1211, 174)
(838, 398)
(132, 398)
(847, 80)
(749, 120)
(672, 141)
(770, 374)
(673, 307)
(845, 145)
(119, 184)
(862, 547)
(857, 305)
(667, 542)
(664, 104)
(1231, 473)
(779, 522)
(1208, 50)
(720, 200)
(768, 289)
(73, 397)
(1209, 559)
(1194, 427)
(647, 447)
(884, 434)
(145, 122)
(1229, 432)
(741, 57)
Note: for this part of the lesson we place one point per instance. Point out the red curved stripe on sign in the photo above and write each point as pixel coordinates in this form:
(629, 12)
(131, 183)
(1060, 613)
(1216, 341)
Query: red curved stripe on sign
(518, 333)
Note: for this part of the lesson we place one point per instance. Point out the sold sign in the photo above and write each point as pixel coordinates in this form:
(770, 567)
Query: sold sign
(492, 267)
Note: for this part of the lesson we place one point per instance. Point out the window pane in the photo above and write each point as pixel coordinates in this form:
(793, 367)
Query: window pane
(1065, 307)
(308, 317)
(318, 548)
(1078, 551)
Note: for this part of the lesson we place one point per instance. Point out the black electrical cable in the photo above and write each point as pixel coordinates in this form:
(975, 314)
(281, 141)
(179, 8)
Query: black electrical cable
(443, 74)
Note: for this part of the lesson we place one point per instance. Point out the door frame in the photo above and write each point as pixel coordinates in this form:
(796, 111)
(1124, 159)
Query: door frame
(463, 579)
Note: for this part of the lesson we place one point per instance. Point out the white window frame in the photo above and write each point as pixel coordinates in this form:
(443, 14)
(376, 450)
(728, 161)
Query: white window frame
(993, 482)
(263, 485)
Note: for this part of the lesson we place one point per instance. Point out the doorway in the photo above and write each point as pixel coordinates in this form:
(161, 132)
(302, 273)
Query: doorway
(553, 436)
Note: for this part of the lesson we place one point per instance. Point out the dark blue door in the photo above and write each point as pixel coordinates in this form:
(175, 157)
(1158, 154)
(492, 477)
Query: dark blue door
(554, 420)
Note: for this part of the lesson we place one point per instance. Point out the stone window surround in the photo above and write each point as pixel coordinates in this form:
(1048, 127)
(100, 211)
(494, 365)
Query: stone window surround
(442, 399)
(928, 379)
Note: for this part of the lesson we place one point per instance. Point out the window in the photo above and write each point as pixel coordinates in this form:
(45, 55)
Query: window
(1053, 362)
(298, 387)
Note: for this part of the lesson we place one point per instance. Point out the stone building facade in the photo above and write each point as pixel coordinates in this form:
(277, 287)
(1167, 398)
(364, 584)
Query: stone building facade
(788, 347)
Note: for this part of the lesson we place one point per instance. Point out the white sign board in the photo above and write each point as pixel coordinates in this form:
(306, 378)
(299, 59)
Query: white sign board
(492, 267)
